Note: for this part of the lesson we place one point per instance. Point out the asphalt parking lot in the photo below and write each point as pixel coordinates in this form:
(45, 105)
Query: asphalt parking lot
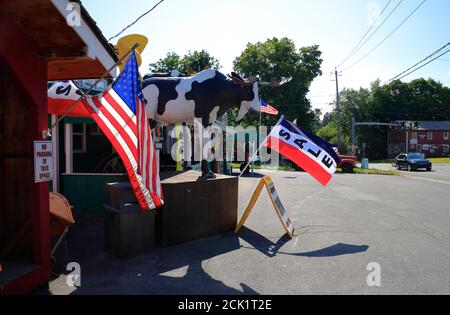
(400, 223)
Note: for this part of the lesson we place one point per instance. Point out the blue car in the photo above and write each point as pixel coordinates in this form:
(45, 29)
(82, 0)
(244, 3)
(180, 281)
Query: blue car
(413, 162)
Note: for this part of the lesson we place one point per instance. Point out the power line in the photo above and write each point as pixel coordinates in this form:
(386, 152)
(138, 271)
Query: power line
(356, 49)
(135, 21)
(387, 37)
(384, 21)
(323, 84)
(423, 60)
(424, 64)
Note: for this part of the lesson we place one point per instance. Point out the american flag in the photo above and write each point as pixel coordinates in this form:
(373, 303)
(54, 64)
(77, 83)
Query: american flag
(120, 114)
(267, 109)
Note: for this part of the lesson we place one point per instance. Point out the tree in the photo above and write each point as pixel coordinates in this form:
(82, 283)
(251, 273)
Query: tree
(199, 60)
(280, 57)
(328, 132)
(195, 61)
(172, 61)
(417, 100)
(327, 118)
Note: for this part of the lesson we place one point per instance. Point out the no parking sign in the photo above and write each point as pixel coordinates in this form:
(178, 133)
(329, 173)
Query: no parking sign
(43, 161)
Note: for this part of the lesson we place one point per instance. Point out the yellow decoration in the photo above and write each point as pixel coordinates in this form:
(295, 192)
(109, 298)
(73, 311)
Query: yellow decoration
(178, 136)
(276, 202)
(126, 43)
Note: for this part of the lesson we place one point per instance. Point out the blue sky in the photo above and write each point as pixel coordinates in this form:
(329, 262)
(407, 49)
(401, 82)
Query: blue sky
(224, 27)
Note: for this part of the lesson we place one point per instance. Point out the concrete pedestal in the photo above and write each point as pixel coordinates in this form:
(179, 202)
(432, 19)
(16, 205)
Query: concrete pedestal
(129, 231)
(195, 209)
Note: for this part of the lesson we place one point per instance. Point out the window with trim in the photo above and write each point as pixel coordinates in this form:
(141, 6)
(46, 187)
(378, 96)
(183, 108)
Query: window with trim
(414, 135)
(446, 149)
(429, 136)
(446, 135)
(79, 138)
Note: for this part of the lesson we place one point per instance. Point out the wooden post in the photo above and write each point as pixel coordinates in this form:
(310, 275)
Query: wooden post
(55, 141)
(27, 73)
(68, 146)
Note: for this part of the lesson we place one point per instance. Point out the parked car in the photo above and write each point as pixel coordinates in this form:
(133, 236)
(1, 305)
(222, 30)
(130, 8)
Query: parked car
(413, 162)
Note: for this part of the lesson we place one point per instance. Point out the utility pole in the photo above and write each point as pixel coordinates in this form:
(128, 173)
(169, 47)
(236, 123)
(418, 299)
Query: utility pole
(353, 136)
(338, 109)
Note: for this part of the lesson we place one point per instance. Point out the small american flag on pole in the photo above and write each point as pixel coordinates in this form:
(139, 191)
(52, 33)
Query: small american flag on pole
(120, 114)
(269, 110)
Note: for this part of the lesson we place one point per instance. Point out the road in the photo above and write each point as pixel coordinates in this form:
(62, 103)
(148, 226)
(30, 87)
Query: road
(440, 172)
(400, 223)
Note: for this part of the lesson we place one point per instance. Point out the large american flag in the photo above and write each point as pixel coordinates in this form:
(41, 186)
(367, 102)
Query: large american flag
(268, 109)
(120, 114)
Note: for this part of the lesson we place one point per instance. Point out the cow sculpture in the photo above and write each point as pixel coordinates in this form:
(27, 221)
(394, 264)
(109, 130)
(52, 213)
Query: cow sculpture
(172, 73)
(206, 96)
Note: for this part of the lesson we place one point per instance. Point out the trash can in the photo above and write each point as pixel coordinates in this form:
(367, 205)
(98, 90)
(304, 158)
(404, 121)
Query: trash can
(129, 231)
(365, 163)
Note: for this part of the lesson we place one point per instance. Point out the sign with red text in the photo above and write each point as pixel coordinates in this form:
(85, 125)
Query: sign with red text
(43, 161)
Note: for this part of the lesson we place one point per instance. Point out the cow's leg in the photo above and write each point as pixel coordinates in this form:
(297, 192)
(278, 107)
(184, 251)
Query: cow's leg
(206, 172)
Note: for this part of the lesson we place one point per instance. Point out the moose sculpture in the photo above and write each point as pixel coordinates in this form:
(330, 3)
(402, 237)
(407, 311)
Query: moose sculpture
(206, 96)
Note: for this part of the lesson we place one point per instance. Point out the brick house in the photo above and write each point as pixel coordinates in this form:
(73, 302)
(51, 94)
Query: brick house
(431, 138)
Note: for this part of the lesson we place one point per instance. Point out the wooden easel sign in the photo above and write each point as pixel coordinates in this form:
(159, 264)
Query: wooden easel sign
(276, 202)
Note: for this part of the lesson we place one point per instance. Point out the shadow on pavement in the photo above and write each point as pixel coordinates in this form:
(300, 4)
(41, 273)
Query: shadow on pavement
(175, 270)
(335, 250)
(261, 243)
(271, 249)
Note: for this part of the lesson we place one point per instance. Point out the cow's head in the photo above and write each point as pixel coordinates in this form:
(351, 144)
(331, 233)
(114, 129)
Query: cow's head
(249, 94)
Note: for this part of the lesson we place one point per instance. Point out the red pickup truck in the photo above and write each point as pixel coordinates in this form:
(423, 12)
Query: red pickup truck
(347, 164)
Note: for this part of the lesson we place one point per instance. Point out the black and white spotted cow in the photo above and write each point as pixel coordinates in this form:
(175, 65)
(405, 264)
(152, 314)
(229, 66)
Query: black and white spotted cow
(172, 73)
(207, 96)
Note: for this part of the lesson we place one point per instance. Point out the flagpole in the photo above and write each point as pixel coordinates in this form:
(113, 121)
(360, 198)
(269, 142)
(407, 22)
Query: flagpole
(47, 133)
(260, 147)
(258, 135)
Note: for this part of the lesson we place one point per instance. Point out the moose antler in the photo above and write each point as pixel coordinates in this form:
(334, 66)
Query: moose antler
(238, 79)
(276, 82)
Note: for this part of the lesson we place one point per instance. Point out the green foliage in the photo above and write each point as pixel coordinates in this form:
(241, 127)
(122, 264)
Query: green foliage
(279, 57)
(415, 101)
(171, 62)
(197, 61)
(329, 133)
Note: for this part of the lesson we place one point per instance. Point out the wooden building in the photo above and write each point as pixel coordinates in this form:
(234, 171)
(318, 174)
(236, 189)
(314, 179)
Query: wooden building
(431, 138)
(40, 40)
